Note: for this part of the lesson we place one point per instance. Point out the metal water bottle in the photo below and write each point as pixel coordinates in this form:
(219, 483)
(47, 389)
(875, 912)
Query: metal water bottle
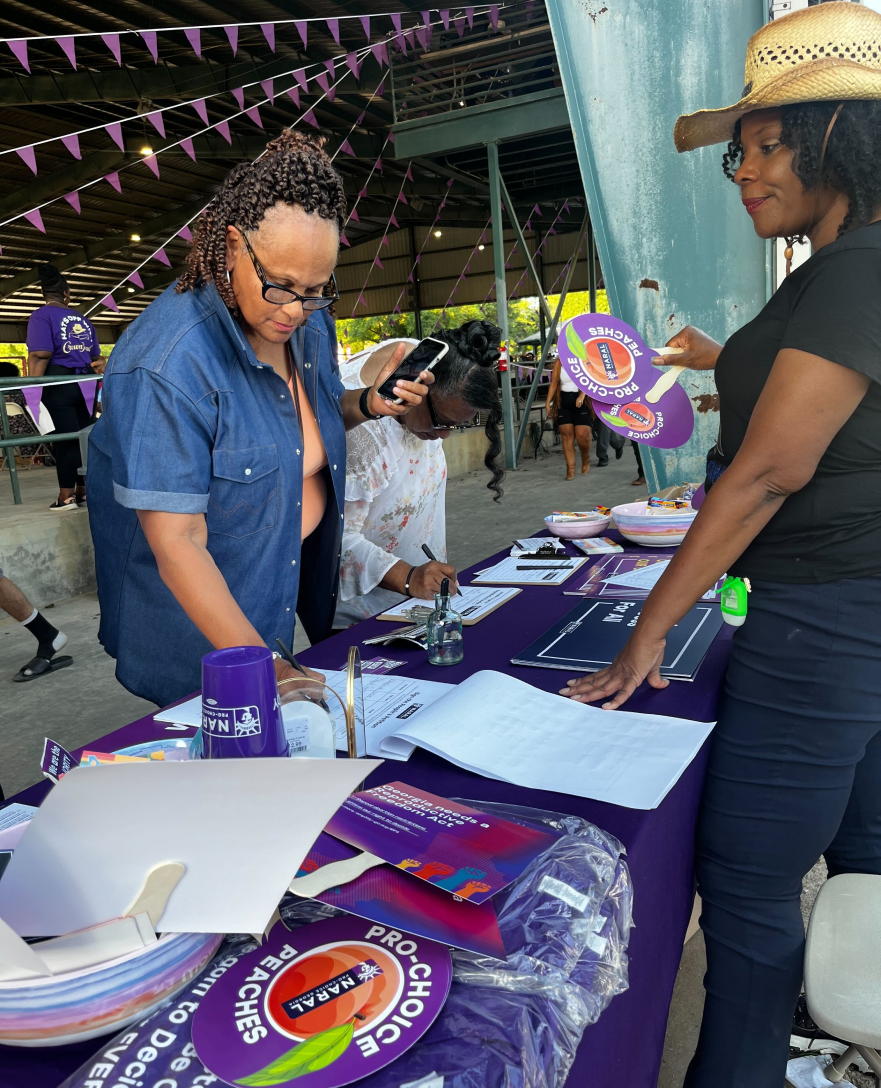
(444, 629)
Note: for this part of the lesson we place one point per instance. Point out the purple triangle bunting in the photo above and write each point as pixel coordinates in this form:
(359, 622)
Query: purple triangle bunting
(114, 131)
(269, 34)
(232, 32)
(536, 211)
(309, 118)
(362, 193)
(113, 179)
(361, 117)
(73, 199)
(403, 199)
(238, 94)
(353, 65)
(158, 122)
(35, 219)
(200, 106)
(344, 240)
(353, 214)
(394, 221)
(426, 17)
(410, 35)
(268, 90)
(162, 257)
(333, 25)
(385, 240)
(67, 43)
(150, 161)
(194, 37)
(72, 143)
(378, 165)
(89, 391)
(469, 15)
(112, 43)
(20, 49)
(396, 21)
(294, 94)
(445, 18)
(135, 278)
(460, 25)
(530, 4)
(300, 77)
(187, 145)
(409, 175)
(346, 148)
(223, 128)
(32, 395)
(422, 35)
(321, 80)
(27, 156)
(494, 15)
(303, 31)
(377, 261)
(149, 37)
(330, 65)
(365, 23)
(253, 114)
(110, 303)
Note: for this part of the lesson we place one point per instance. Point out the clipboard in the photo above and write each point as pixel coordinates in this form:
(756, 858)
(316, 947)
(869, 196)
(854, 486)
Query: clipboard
(486, 600)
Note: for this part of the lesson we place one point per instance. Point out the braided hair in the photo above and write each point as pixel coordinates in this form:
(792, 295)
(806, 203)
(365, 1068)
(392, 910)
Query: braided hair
(294, 170)
(852, 163)
(52, 283)
(468, 371)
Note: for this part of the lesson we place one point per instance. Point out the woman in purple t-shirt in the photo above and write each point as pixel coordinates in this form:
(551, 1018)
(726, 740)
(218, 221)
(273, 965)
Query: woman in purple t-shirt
(63, 342)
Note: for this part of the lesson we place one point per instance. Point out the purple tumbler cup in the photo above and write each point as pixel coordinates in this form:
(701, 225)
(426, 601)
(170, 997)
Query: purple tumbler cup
(241, 711)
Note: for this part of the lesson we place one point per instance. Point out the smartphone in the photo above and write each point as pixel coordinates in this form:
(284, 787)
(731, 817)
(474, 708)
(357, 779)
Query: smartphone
(424, 356)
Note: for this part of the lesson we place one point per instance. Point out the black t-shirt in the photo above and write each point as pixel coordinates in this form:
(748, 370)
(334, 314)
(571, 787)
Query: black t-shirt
(830, 306)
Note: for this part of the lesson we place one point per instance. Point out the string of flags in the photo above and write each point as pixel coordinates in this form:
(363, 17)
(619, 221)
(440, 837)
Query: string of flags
(477, 246)
(185, 233)
(377, 260)
(362, 192)
(428, 236)
(149, 38)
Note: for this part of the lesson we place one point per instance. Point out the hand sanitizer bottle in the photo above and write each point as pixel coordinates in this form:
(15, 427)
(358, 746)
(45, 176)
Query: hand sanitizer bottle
(444, 630)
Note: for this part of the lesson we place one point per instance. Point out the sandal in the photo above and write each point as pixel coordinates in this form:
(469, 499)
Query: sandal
(40, 666)
(68, 504)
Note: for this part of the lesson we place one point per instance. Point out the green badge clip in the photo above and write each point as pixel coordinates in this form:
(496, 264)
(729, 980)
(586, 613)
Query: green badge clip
(734, 600)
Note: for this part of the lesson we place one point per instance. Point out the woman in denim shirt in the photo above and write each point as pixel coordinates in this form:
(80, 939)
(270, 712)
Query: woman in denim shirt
(217, 470)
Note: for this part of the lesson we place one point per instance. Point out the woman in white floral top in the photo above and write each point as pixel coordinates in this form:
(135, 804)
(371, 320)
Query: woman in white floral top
(396, 474)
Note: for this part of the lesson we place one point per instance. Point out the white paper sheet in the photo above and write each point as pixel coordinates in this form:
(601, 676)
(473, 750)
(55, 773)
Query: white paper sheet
(240, 826)
(502, 728)
(475, 603)
(16, 814)
(389, 701)
(641, 577)
(506, 571)
(533, 543)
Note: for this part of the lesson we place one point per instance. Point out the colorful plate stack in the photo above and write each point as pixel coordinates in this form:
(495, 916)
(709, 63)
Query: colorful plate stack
(84, 1004)
(656, 529)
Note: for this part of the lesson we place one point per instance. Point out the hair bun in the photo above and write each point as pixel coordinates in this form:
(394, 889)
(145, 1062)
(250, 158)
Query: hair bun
(49, 275)
(479, 341)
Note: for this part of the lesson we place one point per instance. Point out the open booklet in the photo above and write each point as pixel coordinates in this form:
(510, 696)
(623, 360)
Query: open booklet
(503, 728)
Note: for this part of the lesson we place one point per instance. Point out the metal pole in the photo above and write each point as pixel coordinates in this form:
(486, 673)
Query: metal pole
(533, 389)
(591, 268)
(542, 328)
(495, 203)
(521, 242)
(9, 452)
(417, 290)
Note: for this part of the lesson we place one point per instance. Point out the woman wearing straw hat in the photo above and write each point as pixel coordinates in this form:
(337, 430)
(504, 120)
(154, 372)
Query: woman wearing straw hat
(794, 507)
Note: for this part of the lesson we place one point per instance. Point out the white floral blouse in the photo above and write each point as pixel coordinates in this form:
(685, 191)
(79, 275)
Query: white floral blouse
(395, 503)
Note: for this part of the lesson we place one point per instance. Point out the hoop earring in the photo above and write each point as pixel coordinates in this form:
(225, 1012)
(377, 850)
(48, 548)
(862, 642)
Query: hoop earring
(228, 280)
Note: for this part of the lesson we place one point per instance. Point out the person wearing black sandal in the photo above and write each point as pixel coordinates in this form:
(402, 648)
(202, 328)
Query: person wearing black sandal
(49, 639)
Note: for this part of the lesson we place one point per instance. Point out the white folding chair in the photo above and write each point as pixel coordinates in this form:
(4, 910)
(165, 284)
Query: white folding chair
(843, 968)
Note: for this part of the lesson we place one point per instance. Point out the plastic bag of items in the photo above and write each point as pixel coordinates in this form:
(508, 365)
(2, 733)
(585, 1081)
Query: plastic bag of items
(506, 1024)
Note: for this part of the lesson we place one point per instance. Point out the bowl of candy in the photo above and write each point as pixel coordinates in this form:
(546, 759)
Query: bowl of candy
(577, 524)
(658, 523)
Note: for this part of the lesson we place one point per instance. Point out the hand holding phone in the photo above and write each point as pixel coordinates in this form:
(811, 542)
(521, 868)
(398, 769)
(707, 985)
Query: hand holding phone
(423, 358)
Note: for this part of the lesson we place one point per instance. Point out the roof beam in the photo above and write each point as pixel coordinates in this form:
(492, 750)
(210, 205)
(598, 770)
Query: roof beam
(93, 251)
(51, 186)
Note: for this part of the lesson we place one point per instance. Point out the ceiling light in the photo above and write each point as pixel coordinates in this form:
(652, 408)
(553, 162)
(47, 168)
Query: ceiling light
(130, 290)
(135, 237)
(437, 234)
(146, 150)
(461, 103)
(481, 246)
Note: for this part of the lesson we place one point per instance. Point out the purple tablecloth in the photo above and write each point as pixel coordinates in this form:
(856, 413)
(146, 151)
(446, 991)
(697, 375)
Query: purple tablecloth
(625, 1045)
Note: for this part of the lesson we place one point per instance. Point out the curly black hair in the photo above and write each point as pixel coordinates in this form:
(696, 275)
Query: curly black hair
(852, 163)
(468, 371)
(294, 170)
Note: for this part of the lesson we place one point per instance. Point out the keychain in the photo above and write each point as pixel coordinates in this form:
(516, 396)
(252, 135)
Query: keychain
(734, 600)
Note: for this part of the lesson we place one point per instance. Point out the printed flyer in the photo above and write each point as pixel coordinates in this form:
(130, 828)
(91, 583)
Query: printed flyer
(460, 849)
(386, 894)
(325, 1005)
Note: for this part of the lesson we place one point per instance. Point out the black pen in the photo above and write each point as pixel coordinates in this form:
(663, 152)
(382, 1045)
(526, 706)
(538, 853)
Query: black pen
(434, 559)
(567, 567)
(291, 660)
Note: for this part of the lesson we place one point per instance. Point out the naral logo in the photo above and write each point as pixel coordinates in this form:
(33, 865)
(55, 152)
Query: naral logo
(230, 721)
(409, 711)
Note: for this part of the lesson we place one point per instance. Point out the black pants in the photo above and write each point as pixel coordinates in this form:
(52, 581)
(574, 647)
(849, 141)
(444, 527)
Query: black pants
(67, 407)
(794, 772)
(604, 438)
(638, 457)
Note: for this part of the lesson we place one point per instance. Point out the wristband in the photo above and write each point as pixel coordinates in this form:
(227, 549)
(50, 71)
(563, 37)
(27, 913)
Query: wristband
(362, 404)
(407, 581)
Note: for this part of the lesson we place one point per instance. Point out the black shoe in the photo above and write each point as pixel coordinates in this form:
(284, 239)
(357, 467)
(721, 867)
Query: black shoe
(806, 1036)
(603, 464)
(619, 453)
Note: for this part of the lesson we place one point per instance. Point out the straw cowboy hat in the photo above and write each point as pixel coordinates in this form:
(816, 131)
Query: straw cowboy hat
(829, 52)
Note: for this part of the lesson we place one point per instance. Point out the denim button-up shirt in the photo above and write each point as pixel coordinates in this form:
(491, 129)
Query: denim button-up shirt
(194, 424)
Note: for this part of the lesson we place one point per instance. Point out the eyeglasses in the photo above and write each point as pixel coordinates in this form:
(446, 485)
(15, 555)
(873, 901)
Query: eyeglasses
(438, 424)
(283, 296)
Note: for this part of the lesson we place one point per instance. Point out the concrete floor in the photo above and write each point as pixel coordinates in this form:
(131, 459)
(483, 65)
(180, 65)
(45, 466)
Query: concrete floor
(85, 701)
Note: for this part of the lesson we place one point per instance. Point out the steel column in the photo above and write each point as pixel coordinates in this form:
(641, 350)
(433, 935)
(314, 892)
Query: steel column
(546, 347)
(417, 290)
(495, 203)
